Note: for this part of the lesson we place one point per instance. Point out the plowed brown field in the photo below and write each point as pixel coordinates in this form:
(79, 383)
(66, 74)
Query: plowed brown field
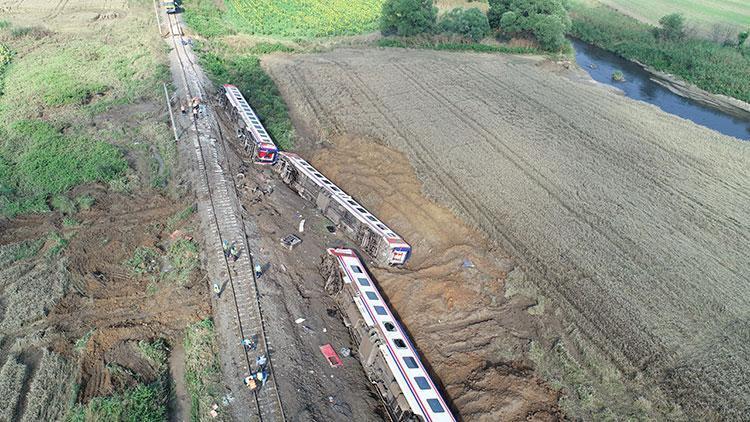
(633, 222)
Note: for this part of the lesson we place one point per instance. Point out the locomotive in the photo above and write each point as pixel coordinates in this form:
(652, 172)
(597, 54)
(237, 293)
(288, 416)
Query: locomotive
(250, 130)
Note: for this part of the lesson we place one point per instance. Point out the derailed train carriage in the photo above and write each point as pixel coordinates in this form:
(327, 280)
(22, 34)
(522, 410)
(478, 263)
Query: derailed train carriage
(371, 235)
(386, 352)
(250, 130)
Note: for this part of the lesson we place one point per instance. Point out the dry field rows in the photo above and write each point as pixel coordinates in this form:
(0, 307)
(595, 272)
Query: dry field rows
(634, 222)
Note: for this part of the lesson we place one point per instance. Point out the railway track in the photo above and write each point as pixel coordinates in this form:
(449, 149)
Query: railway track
(221, 200)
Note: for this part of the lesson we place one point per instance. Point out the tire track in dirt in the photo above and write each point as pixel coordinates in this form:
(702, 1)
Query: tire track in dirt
(659, 258)
(658, 349)
(454, 187)
(639, 169)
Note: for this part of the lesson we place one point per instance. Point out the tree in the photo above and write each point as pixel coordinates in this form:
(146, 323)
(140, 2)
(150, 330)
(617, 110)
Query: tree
(741, 38)
(408, 17)
(546, 20)
(672, 27)
(471, 23)
(497, 8)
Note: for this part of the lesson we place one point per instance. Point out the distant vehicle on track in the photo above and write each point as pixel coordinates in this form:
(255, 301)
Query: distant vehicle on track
(250, 130)
(371, 235)
(171, 7)
(387, 355)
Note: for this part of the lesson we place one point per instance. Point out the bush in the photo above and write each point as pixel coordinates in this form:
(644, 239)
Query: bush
(408, 17)
(496, 11)
(546, 20)
(672, 27)
(741, 38)
(471, 23)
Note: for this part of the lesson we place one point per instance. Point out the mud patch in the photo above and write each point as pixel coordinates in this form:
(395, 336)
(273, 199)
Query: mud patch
(451, 295)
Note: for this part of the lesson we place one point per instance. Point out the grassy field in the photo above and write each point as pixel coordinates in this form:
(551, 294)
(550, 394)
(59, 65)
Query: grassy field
(64, 97)
(704, 13)
(202, 371)
(291, 18)
(306, 18)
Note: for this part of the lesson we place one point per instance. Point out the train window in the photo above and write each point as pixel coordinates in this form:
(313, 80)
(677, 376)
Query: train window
(364, 282)
(422, 383)
(399, 343)
(357, 269)
(410, 362)
(389, 327)
(371, 218)
(380, 226)
(435, 405)
(351, 202)
(381, 311)
(371, 295)
(360, 209)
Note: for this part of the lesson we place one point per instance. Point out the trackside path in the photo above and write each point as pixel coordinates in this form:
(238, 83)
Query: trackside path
(237, 309)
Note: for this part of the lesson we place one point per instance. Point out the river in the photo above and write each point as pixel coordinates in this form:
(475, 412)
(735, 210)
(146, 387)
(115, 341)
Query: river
(600, 64)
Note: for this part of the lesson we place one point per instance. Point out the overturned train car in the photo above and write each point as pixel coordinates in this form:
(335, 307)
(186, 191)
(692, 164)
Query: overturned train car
(386, 352)
(371, 235)
(256, 140)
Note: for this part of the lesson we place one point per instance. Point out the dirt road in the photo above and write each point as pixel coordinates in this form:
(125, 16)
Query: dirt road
(632, 221)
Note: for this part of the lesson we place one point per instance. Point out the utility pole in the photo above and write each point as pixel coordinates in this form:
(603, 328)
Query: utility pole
(171, 116)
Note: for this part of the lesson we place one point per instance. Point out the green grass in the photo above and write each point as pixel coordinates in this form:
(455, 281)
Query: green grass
(53, 86)
(145, 260)
(183, 257)
(202, 370)
(37, 160)
(304, 18)
(80, 344)
(703, 12)
(60, 242)
(710, 66)
(181, 216)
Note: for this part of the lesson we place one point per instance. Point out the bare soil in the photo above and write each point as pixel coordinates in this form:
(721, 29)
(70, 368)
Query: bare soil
(105, 302)
(629, 221)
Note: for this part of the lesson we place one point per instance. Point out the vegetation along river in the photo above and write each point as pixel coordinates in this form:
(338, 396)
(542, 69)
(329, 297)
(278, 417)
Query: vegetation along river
(601, 65)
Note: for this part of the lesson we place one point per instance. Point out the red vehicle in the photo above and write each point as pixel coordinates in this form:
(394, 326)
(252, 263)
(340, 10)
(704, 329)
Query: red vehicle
(250, 130)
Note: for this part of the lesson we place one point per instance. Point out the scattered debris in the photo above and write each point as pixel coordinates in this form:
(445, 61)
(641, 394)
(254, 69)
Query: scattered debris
(333, 359)
(331, 229)
(291, 241)
(468, 264)
(345, 351)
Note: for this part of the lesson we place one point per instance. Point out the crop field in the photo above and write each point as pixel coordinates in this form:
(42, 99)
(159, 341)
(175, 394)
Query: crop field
(631, 221)
(705, 13)
(305, 18)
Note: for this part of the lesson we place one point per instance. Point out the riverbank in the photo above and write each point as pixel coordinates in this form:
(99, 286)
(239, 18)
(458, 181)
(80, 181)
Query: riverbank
(640, 82)
(715, 68)
(729, 105)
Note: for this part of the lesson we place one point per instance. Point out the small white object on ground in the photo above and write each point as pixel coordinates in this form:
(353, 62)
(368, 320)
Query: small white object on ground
(302, 225)
(299, 320)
